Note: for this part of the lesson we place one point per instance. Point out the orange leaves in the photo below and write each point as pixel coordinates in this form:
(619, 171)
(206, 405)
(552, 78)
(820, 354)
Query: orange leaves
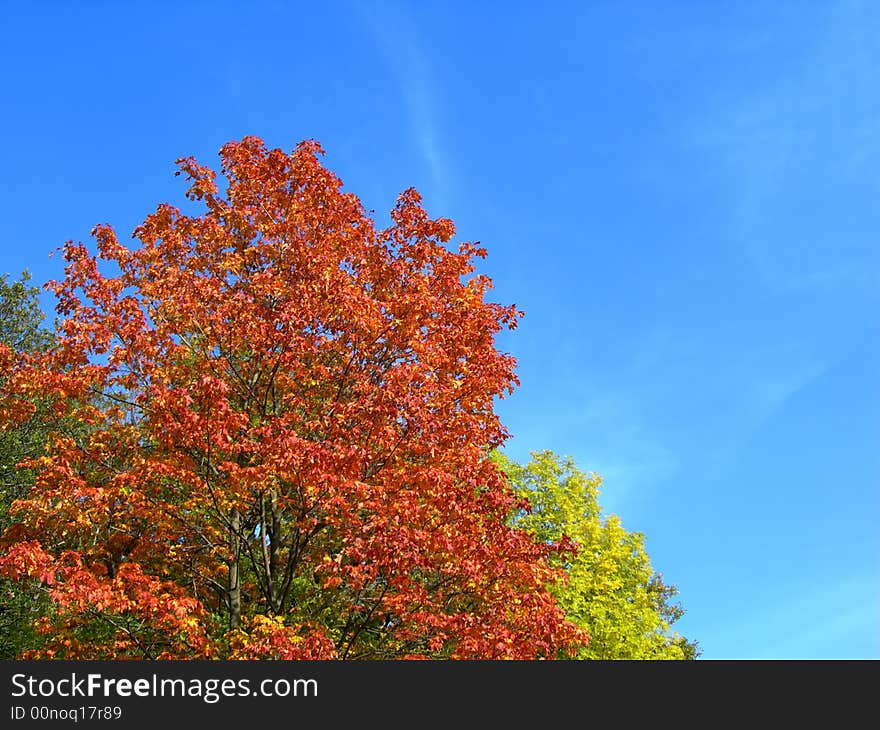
(28, 560)
(170, 621)
(283, 416)
(202, 178)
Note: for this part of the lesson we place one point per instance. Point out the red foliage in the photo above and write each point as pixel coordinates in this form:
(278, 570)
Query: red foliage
(284, 415)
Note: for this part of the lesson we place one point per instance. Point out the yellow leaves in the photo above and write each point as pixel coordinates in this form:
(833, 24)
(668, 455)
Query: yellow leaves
(609, 589)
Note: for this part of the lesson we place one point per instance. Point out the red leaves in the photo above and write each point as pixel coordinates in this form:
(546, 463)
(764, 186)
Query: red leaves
(129, 599)
(285, 410)
(28, 560)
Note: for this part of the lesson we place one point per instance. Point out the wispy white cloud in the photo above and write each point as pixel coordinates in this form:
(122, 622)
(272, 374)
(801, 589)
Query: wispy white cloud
(400, 41)
(796, 149)
(821, 620)
(675, 401)
(606, 430)
(767, 391)
(632, 467)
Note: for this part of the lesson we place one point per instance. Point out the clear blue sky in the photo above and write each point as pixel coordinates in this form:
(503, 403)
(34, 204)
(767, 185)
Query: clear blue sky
(682, 197)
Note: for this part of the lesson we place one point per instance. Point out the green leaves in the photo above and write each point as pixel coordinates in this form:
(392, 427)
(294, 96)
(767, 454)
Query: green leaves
(611, 589)
(20, 316)
(20, 332)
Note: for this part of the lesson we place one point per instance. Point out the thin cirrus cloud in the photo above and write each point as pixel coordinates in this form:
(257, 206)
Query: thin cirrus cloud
(792, 150)
(397, 37)
(667, 402)
(605, 429)
(820, 620)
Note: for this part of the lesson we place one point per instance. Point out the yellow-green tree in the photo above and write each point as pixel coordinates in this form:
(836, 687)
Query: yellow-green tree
(611, 590)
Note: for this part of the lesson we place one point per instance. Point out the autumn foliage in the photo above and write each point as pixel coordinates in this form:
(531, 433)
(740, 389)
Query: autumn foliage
(283, 416)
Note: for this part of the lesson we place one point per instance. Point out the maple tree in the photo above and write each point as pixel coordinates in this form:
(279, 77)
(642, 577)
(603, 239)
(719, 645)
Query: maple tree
(283, 415)
(611, 589)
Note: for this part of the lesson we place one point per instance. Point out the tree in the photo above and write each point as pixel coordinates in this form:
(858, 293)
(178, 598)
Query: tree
(286, 414)
(610, 590)
(20, 332)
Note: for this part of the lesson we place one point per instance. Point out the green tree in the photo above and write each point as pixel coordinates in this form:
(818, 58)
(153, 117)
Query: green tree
(611, 589)
(21, 332)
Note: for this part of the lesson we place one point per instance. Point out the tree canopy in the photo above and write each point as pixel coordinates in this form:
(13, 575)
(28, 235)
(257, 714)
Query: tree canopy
(267, 429)
(610, 589)
(285, 414)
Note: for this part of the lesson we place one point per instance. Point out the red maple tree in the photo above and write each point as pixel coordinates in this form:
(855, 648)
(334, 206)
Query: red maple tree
(282, 417)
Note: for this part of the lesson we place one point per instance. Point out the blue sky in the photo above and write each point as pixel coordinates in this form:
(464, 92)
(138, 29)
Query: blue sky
(682, 197)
